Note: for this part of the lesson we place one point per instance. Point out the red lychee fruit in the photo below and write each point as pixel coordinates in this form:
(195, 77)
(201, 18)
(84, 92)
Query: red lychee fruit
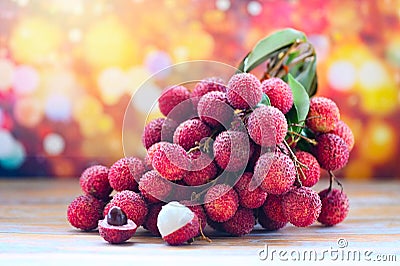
(214, 110)
(190, 133)
(124, 174)
(301, 206)
(280, 176)
(160, 129)
(323, 115)
(267, 223)
(205, 86)
(202, 169)
(244, 91)
(154, 188)
(116, 228)
(344, 131)
(215, 225)
(221, 202)
(232, 150)
(131, 203)
(151, 219)
(171, 162)
(199, 211)
(313, 171)
(177, 223)
(148, 159)
(335, 207)
(331, 151)
(248, 198)
(267, 126)
(175, 103)
(94, 181)
(273, 208)
(279, 93)
(84, 212)
(241, 223)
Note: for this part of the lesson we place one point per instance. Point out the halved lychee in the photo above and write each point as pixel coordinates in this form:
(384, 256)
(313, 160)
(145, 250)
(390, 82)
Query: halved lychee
(116, 228)
(177, 223)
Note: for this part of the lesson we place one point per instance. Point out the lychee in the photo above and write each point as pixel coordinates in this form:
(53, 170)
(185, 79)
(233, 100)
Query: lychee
(344, 131)
(175, 103)
(312, 173)
(199, 211)
(331, 151)
(214, 110)
(279, 93)
(153, 187)
(205, 86)
(267, 223)
(323, 115)
(124, 174)
(84, 212)
(301, 206)
(116, 228)
(249, 198)
(335, 207)
(244, 91)
(148, 159)
(171, 162)
(131, 203)
(273, 208)
(221, 202)
(177, 223)
(202, 169)
(232, 150)
(151, 219)
(190, 133)
(241, 223)
(267, 126)
(94, 181)
(160, 129)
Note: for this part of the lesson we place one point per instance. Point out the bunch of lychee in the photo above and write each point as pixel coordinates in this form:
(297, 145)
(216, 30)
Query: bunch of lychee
(222, 156)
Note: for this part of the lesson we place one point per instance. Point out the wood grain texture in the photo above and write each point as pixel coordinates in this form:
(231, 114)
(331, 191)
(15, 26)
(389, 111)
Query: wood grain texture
(34, 231)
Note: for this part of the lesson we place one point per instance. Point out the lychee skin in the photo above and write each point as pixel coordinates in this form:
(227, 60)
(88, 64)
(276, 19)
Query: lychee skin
(131, 203)
(344, 131)
(84, 212)
(281, 175)
(279, 93)
(190, 132)
(267, 223)
(171, 162)
(302, 206)
(323, 115)
(267, 126)
(116, 234)
(202, 169)
(215, 225)
(124, 173)
(160, 129)
(199, 211)
(183, 234)
(241, 223)
(335, 207)
(312, 173)
(221, 203)
(249, 199)
(173, 97)
(205, 86)
(331, 152)
(151, 218)
(232, 150)
(148, 159)
(153, 187)
(94, 181)
(214, 110)
(244, 91)
(273, 208)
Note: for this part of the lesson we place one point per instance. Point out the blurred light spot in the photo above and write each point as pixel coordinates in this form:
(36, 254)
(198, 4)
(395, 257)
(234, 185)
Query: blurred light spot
(321, 45)
(53, 144)
(75, 35)
(58, 108)
(6, 74)
(112, 83)
(23, 3)
(15, 159)
(105, 124)
(59, 81)
(86, 106)
(146, 98)
(342, 75)
(157, 60)
(380, 101)
(254, 8)
(223, 5)
(1, 117)
(358, 170)
(372, 75)
(135, 77)
(28, 112)
(7, 143)
(26, 80)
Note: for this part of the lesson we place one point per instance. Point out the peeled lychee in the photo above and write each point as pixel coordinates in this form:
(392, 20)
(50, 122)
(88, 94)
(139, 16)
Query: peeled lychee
(267, 126)
(153, 187)
(335, 207)
(177, 223)
(273, 208)
(190, 133)
(249, 198)
(160, 129)
(344, 131)
(323, 115)
(241, 223)
(214, 110)
(131, 203)
(84, 212)
(176, 100)
(302, 206)
(205, 86)
(244, 91)
(124, 174)
(94, 181)
(171, 161)
(331, 151)
(279, 93)
(312, 172)
(116, 228)
(221, 202)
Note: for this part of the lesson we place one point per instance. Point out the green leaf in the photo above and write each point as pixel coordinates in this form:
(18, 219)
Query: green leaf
(301, 104)
(271, 44)
(308, 76)
(265, 100)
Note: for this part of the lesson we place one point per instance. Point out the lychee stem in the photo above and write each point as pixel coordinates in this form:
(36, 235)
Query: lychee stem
(203, 237)
(312, 141)
(333, 178)
(299, 165)
(282, 56)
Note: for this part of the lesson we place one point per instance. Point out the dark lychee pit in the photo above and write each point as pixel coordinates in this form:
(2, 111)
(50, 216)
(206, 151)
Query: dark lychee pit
(116, 217)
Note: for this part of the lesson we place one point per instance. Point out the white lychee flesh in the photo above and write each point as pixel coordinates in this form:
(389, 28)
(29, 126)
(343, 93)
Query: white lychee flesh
(172, 217)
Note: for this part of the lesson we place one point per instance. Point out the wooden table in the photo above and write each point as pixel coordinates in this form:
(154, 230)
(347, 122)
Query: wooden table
(34, 231)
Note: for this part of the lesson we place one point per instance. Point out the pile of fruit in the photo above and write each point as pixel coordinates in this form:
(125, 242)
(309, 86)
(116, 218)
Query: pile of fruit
(228, 154)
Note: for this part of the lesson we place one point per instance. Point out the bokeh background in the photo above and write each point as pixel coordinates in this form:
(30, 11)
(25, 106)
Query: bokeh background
(69, 68)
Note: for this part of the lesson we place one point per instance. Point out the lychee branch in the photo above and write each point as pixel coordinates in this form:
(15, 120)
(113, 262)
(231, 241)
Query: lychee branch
(311, 141)
(333, 178)
(299, 165)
